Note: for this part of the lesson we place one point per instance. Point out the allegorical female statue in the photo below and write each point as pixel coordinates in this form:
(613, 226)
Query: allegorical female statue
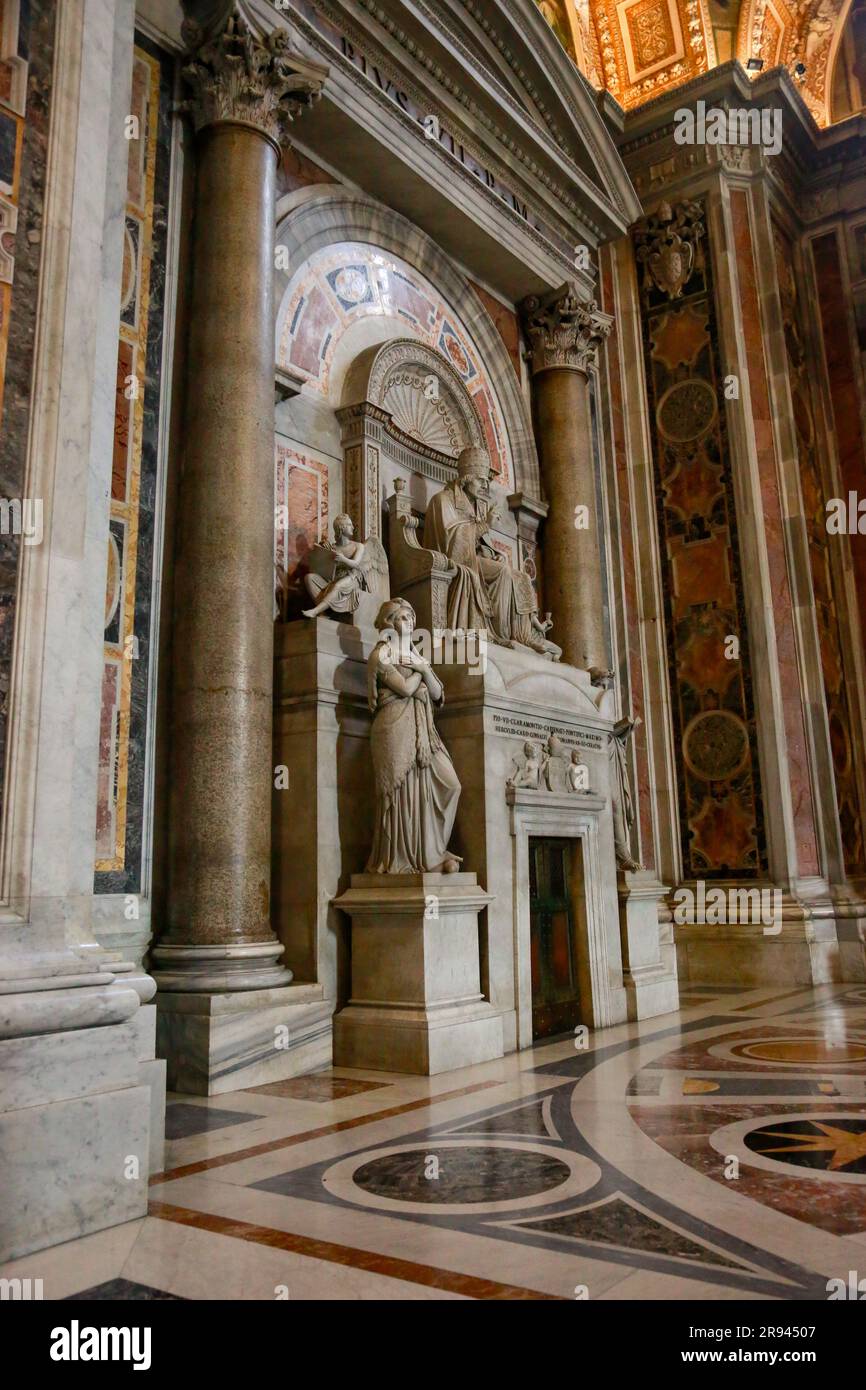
(416, 786)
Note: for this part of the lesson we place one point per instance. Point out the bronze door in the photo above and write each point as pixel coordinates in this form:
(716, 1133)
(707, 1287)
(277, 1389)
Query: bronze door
(553, 945)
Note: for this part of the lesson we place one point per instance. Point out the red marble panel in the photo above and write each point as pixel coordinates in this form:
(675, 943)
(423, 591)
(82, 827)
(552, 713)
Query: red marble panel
(122, 421)
(506, 324)
(835, 309)
(316, 320)
(105, 801)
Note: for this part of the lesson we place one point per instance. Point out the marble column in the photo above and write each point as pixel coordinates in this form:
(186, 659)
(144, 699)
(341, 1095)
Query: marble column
(244, 84)
(564, 336)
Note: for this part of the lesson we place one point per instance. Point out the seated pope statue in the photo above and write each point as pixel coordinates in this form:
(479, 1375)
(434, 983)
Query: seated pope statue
(486, 593)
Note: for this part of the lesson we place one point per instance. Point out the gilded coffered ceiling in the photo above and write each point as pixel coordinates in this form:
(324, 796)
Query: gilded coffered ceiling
(638, 49)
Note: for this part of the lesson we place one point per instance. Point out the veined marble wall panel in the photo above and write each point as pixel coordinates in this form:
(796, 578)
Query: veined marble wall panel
(129, 569)
(826, 598)
(720, 800)
(507, 325)
(27, 32)
(348, 281)
(834, 309)
(629, 551)
(302, 488)
(773, 504)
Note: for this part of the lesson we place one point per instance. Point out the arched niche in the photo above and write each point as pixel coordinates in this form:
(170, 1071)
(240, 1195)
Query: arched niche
(314, 220)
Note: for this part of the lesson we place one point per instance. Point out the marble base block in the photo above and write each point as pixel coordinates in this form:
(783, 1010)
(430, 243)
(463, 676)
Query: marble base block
(224, 1042)
(74, 1136)
(151, 1072)
(716, 956)
(416, 1003)
(649, 976)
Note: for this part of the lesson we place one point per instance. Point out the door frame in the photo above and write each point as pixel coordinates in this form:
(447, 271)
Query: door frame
(554, 816)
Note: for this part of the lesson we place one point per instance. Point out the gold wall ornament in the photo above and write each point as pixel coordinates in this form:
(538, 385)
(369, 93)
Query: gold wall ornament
(245, 76)
(668, 246)
(563, 330)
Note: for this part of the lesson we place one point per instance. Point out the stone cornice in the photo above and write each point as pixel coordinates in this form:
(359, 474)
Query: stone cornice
(564, 331)
(436, 74)
(241, 74)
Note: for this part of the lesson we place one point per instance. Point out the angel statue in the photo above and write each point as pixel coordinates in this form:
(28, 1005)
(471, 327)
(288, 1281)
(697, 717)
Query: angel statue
(348, 569)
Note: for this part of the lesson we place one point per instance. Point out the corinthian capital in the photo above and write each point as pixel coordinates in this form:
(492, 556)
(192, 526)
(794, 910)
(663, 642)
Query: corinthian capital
(563, 330)
(238, 72)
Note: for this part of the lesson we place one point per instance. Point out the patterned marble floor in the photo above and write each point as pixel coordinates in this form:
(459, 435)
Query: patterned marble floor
(718, 1153)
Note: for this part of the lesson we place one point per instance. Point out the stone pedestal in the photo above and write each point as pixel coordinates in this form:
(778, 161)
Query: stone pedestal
(416, 1002)
(649, 971)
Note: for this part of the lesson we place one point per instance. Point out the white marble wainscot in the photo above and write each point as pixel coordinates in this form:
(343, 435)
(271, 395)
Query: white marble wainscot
(416, 1003)
(226, 1042)
(649, 959)
(488, 716)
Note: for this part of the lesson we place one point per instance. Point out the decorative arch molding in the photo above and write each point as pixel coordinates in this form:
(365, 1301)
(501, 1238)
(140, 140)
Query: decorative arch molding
(402, 401)
(314, 219)
(445, 422)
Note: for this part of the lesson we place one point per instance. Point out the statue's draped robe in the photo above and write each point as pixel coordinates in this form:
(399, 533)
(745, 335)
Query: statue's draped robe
(485, 593)
(416, 786)
(343, 590)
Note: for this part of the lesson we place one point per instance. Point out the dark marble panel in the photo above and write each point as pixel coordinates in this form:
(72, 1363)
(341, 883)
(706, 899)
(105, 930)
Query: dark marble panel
(124, 1289)
(182, 1121)
(317, 1088)
(757, 1086)
(471, 1174)
(522, 1119)
(128, 879)
(36, 28)
(616, 1222)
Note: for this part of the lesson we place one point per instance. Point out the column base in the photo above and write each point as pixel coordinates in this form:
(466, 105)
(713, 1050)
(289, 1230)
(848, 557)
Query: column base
(221, 1042)
(212, 969)
(416, 1001)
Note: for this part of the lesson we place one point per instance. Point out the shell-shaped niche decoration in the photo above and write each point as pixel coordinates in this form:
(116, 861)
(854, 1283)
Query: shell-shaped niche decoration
(419, 408)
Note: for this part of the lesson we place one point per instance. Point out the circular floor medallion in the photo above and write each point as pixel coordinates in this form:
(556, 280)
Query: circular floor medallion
(459, 1176)
(463, 1175)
